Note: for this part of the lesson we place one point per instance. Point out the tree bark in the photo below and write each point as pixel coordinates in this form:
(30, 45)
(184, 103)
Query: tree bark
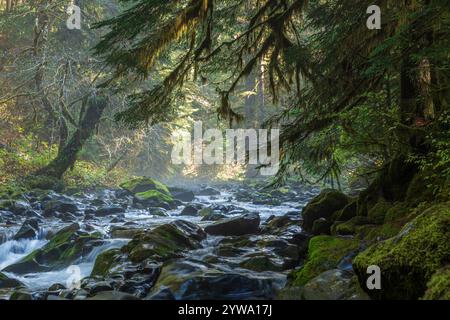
(66, 159)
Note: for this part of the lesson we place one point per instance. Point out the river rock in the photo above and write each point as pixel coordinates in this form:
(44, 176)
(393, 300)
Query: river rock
(189, 210)
(182, 194)
(61, 206)
(323, 206)
(64, 248)
(109, 210)
(113, 295)
(190, 280)
(7, 283)
(410, 259)
(208, 192)
(29, 230)
(334, 285)
(236, 226)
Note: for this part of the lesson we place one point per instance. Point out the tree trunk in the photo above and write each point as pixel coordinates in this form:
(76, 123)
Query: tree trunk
(66, 159)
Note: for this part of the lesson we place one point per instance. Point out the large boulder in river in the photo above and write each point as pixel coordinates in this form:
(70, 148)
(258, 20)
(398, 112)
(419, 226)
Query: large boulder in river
(323, 206)
(192, 280)
(147, 190)
(165, 241)
(64, 248)
(182, 194)
(236, 226)
(410, 259)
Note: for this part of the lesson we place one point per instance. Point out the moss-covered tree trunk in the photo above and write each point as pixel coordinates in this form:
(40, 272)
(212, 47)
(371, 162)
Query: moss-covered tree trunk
(68, 155)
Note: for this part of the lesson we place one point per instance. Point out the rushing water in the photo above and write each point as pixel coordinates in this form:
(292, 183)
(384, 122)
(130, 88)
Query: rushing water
(43, 280)
(12, 251)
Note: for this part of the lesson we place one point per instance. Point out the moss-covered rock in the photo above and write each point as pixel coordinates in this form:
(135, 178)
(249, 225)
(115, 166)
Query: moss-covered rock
(143, 184)
(438, 288)
(64, 248)
(153, 195)
(348, 212)
(260, 264)
(165, 241)
(409, 260)
(378, 212)
(323, 206)
(350, 227)
(147, 190)
(324, 253)
(105, 262)
(7, 283)
(397, 211)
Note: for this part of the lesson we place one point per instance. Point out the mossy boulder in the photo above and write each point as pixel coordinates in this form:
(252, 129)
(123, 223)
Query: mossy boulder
(398, 211)
(152, 196)
(324, 253)
(350, 227)
(409, 260)
(323, 206)
(321, 226)
(348, 212)
(438, 288)
(65, 247)
(147, 190)
(144, 184)
(8, 283)
(165, 241)
(105, 261)
(378, 212)
(261, 264)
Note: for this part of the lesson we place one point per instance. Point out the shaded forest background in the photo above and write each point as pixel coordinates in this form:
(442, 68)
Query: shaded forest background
(349, 100)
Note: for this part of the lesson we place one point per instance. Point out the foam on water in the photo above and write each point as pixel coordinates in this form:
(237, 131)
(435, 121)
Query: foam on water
(43, 280)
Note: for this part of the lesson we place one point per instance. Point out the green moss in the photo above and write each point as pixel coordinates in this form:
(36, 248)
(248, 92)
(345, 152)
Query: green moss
(104, 262)
(44, 183)
(143, 184)
(409, 260)
(64, 248)
(378, 212)
(324, 253)
(348, 212)
(260, 264)
(11, 192)
(323, 206)
(398, 211)
(350, 227)
(438, 288)
(153, 195)
(163, 242)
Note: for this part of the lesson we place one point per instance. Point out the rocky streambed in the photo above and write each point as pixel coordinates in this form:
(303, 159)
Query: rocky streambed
(145, 241)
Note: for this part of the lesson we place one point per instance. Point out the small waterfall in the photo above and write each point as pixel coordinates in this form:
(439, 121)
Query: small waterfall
(12, 251)
(43, 280)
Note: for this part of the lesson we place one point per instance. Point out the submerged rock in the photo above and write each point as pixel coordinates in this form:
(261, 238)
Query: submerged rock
(236, 226)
